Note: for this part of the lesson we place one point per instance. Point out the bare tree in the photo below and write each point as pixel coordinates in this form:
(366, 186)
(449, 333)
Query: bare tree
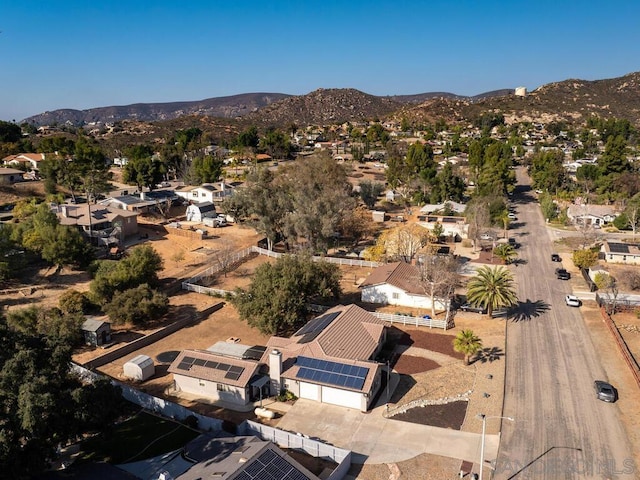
(224, 258)
(164, 208)
(439, 277)
(479, 219)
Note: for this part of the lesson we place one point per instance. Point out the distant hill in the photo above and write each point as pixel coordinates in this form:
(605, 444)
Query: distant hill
(223, 107)
(571, 100)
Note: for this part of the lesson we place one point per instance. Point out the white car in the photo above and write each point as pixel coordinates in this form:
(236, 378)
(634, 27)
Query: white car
(486, 236)
(512, 216)
(572, 301)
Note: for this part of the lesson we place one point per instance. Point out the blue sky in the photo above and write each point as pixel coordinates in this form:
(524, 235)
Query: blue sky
(84, 54)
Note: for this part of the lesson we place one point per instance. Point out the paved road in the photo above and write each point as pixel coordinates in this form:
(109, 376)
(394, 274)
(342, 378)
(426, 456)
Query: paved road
(561, 430)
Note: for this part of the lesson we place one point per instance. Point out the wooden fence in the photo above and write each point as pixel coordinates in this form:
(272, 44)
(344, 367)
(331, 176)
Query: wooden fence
(622, 346)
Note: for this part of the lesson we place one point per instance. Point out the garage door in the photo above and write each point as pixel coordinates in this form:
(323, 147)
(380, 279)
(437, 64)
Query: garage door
(310, 391)
(342, 398)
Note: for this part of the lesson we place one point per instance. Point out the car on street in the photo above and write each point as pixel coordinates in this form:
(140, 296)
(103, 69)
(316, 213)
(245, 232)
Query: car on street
(555, 257)
(605, 391)
(512, 216)
(572, 301)
(562, 274)
(467, 307)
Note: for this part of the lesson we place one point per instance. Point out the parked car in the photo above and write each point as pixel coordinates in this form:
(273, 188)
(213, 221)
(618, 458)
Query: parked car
(513, 243)
(486, 236)
(512, 216)
(467, 307)
(555, 257)
(562, 274)
(572, 301)
(605, 391)
(163, 185)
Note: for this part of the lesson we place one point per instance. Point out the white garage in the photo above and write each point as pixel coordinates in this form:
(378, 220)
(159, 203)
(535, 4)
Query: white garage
(310, 391)
(342, 398)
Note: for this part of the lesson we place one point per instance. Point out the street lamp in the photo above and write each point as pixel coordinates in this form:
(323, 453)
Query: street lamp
(484, 419)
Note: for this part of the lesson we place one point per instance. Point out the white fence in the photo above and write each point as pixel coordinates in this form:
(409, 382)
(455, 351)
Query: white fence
(193, 283)
(313, 447)
(414, 321)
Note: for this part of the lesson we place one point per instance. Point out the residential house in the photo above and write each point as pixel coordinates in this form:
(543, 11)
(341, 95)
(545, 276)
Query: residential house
(143, 202)
(397, 283)
(225, 376)
(592, 214)
(456, 228)
(9, 176)
(30, 160)
(331, 359)
(197, 212)
(96, 332)
(207, 192)
(615, 252)
(223, 457)
(107, 225)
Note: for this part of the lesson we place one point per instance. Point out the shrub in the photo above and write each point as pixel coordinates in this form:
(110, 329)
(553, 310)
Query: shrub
(73, 301)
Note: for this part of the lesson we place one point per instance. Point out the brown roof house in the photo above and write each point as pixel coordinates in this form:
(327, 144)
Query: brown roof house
(107, 225)
(397, 283)
(31, 160)
(592, 214)
(331, 359)
(229, 376)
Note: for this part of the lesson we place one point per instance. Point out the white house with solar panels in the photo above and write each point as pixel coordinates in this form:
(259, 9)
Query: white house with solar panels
(331, 359)
(226, 372)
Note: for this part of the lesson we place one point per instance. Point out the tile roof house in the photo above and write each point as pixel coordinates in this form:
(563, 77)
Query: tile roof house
(106, 224)
(396, 283)
(31, 160)
(331, 359)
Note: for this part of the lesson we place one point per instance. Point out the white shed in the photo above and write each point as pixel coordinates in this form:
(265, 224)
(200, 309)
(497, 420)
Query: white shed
(198, 211)
(139, 368)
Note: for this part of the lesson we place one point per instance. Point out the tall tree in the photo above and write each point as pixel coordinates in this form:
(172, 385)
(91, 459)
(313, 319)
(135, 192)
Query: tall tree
(277, 300)
(492, 288)
(439, 277)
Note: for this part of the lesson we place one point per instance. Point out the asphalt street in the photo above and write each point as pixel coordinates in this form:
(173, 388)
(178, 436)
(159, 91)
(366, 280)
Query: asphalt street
(560, 429)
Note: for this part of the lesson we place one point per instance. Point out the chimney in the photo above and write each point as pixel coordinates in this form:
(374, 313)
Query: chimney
(275, 371)
(65, 210)
(143, 196)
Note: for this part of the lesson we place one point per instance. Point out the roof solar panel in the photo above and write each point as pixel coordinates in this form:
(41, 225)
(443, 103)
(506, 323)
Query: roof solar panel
(618, 248)
(331, 373)
(200, 362)
(318, 324)
(184, 366)
(188, 359)
(235, 369)
(232, 375)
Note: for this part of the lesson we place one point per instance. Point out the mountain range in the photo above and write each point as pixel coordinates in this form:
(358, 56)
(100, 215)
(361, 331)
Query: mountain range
(569, 100)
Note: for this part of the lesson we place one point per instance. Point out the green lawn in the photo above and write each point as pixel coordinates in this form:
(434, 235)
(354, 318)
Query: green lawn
(140, 437)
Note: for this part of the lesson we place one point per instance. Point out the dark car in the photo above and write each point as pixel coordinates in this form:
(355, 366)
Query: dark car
(605, 391)
(562, 274)
(467, 307)
(555, 257)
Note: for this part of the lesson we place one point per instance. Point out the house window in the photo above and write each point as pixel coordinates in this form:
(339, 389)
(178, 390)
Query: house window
(201, 383)
(395, 295)
(220, 387)
(194, 194)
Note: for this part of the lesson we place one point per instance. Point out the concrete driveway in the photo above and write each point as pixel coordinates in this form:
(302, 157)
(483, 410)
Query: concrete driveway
(374, 439)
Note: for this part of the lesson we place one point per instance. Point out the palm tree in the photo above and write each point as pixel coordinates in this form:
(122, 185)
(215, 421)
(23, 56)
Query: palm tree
(505, 252)
(468, 343)
(492, 288)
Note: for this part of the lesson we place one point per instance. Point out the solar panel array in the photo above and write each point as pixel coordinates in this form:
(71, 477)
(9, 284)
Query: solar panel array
(331, 373)
(232, 372)
(271, 466)
(254, 353)
(315, 327)
(618, 248)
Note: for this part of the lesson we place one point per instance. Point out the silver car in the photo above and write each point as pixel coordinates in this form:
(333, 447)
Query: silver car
(605, 391)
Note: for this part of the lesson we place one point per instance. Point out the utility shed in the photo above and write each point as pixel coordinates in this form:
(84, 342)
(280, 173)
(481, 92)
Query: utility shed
(96, 332)
(139, 368)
